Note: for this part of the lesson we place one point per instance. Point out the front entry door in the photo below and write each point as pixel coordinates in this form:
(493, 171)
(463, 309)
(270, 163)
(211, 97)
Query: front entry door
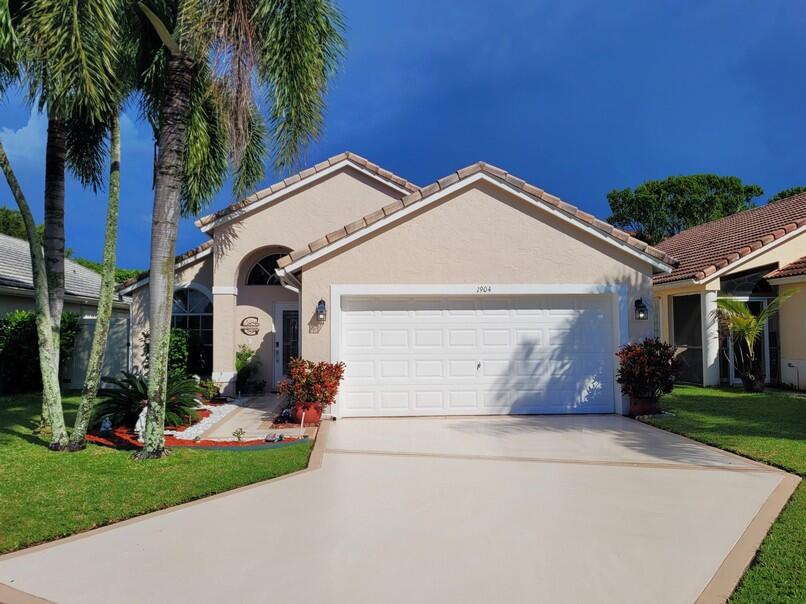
(286, 340)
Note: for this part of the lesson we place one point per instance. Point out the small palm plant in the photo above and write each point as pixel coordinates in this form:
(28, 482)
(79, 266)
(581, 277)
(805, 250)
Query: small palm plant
(745, 329)
(124, 402)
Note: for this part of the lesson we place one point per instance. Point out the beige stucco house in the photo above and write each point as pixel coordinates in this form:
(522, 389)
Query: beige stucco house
(477, 294)
(751, 256)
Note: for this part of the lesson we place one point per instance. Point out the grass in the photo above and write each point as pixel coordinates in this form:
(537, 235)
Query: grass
(45, 495)
(768, 427)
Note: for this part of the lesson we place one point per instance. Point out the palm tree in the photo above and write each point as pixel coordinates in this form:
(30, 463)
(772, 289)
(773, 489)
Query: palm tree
(95, 363)
(64, 50)
(201, 62)
(746, 329)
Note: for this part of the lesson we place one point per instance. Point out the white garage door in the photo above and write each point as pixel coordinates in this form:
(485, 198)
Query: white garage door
(479, 355)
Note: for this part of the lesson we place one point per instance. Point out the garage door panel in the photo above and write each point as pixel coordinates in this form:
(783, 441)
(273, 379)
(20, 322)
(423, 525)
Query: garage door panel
(518, 354)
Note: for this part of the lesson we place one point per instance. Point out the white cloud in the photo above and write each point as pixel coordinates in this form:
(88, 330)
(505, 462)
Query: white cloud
(26, 145)
(135, 136)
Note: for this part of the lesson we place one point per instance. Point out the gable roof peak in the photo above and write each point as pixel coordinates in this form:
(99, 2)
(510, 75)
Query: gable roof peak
(390, 178)
(505, 179)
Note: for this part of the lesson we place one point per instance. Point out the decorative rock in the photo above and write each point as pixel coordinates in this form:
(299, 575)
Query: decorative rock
(217, 412)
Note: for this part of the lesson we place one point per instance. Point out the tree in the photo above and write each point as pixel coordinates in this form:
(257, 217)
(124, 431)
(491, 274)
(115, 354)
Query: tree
(746, 329)
(201, 61)
(787, 193)
(658, 209)
(12, 224)
(64, 51)
(95, 363)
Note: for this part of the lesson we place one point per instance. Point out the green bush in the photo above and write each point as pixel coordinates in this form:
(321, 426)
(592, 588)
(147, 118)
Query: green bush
(178, 352)
(19, 350)
(125, 400)
(247, 366)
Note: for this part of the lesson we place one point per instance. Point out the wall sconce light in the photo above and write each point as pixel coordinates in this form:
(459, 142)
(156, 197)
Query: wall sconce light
(321, 311)
(641, 311)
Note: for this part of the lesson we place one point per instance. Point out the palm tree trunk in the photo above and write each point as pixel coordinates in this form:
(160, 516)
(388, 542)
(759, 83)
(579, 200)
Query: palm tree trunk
(164, 225)
(99, 337)
(54, 230)
(50, 378)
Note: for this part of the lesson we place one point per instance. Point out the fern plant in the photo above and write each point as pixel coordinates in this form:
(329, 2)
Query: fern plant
(129, 395)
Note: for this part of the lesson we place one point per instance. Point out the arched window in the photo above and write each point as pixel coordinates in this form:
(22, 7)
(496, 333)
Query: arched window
(262, 273)
(193, 312)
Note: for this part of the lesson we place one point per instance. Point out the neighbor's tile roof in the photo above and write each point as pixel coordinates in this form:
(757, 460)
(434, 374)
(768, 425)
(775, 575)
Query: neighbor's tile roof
(793, 269)
(15, 270)
(459, 175)
(707, 248)
(307, 173)
(180, 258)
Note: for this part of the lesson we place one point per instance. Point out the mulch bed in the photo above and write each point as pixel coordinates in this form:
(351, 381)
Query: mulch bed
(123, 438)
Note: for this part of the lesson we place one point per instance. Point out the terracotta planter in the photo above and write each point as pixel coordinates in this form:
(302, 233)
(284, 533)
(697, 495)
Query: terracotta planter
(313, 413)
(643, 406)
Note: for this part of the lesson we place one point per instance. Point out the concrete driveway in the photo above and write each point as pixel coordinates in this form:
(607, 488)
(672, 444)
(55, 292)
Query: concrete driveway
(515, 509)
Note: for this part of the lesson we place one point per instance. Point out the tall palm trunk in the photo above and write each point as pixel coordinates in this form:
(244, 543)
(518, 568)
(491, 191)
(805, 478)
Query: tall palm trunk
(54, 243)
(99, 337)
(164, 225)
(50, 378)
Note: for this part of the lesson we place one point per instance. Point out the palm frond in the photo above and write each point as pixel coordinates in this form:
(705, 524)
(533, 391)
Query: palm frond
(9, 47)
(299, 48)
(86, 150)
(205, 146)
(71, 52)
(252, 167)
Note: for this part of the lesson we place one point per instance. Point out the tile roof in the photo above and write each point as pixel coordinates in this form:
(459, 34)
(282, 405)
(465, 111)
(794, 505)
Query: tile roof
(707, 248)
(497, 173)
(180, 258)
(15, 270)
(793, 269)
(307, 173)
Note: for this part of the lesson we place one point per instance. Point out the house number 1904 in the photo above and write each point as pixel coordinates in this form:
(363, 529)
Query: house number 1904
(484, 289)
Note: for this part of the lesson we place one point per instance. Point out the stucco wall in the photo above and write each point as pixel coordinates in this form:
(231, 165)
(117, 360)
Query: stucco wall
(782, 254)
(286, 224)
(481, 235)
(792, 317)
(198, 273)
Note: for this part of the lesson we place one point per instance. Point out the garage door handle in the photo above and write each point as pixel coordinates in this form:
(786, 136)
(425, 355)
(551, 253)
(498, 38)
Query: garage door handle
(478, 365)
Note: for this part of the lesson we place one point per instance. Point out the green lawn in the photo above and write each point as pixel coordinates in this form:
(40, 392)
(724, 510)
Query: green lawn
(768, 427)
(46, 495)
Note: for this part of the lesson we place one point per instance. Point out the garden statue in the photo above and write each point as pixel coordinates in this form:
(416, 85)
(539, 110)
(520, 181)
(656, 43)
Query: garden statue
(140, 426)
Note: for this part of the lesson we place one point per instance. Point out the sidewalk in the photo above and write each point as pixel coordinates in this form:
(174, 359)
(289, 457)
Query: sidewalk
(255, 416)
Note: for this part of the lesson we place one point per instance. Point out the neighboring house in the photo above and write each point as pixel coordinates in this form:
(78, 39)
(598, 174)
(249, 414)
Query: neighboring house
(81, 296)
(477, 294)
(751, 256)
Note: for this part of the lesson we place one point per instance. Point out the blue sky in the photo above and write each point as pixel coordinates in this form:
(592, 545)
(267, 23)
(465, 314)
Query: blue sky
(576, 96)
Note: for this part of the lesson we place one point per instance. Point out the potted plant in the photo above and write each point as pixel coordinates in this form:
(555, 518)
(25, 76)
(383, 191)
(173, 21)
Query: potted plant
(311, 387)
(746, 329)
(647, 370)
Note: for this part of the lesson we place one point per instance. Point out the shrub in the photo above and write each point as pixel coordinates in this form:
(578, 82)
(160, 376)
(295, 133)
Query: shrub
(247, 365)
(209, 389)
(647, 369)
(178, 352)
(315, 383)
(19, 350)
(124, 402)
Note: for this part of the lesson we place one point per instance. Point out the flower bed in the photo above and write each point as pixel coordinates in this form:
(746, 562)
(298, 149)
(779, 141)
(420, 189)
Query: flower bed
(123, 438)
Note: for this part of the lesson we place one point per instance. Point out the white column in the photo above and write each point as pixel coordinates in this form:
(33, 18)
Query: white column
(710, 339)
